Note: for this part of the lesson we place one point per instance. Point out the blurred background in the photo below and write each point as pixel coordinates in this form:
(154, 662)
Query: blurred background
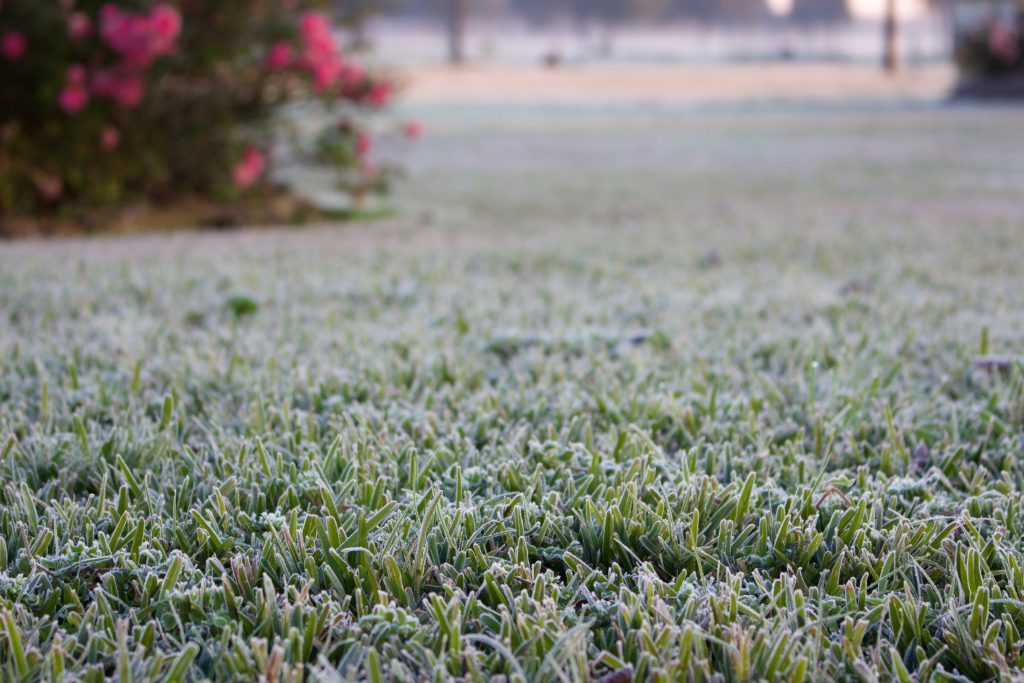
(661, 31)
(980, 38)
(137, 113)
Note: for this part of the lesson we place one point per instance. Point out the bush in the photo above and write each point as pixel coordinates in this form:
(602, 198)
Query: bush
(992, 49)
(108, 102)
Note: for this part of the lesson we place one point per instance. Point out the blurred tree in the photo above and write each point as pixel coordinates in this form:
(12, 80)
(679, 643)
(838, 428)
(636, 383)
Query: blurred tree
(610, 12)
(890, 38)
(354, 14)
(540, 12)
(603, 11)
(648, 10)
(695, 10)
(820, 11)
(458, 11)
(351, 12)
(742, 11)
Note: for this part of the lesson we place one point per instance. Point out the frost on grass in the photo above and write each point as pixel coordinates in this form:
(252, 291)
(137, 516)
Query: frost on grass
(397, 453)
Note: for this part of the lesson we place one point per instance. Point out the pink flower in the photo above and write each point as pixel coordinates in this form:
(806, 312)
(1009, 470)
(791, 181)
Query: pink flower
(13, 45)
(129, 91)
(1003, 42)
(249, 168)
(79, 26)
(123, 33)
(280, 56)
(319, 51)
(110, 138)
(49, 187)
(363, 144)
(77, 74)
(140, 38)
(352, 75)
(165, 24)
(414, 130)
(103, 83)
(325, 74)
(125, 88)
(314, 26)
(73, 99)
(379, 94)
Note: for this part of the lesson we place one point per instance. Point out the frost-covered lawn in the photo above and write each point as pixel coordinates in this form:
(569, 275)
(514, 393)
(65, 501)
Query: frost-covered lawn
(686, 391)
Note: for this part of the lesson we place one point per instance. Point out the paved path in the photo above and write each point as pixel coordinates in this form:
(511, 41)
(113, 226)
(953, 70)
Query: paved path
(676, 83)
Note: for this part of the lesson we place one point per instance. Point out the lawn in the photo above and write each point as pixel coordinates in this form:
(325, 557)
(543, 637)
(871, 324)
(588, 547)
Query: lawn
(669, 392)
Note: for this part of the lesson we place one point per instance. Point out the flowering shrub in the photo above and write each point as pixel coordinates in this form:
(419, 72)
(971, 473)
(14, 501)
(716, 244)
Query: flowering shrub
(105, 102)
(993, 48)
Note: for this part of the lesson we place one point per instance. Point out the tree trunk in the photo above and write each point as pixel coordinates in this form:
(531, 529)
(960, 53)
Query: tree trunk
(891, 58)
(457, 10)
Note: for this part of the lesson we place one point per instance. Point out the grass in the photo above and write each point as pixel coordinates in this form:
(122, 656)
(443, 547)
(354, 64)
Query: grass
(664, 396)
